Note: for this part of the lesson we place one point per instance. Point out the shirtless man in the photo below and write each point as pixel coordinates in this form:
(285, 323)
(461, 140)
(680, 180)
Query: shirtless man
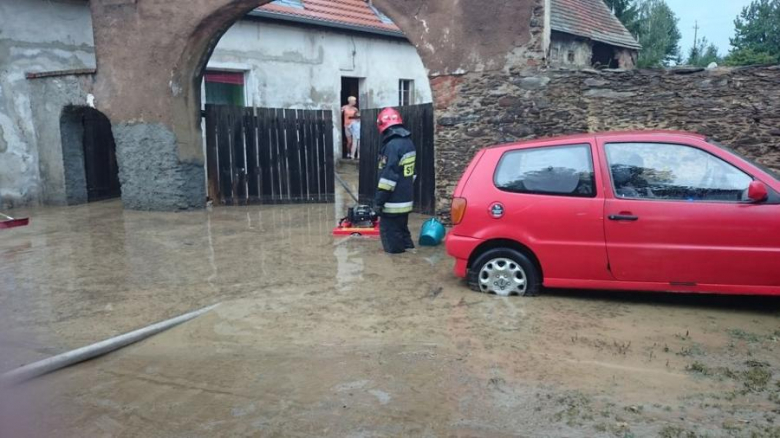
(348, 111)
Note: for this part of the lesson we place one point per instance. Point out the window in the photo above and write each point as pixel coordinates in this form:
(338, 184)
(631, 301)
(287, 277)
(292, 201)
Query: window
(673, 172)
(224, 87)
(767, 170)
(297, 4)
(561, 170)
(555, 53)
(570, 57)
(405, 92)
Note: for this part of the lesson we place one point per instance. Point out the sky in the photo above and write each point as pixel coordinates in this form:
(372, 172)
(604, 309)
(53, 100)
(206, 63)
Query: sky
(715, 17)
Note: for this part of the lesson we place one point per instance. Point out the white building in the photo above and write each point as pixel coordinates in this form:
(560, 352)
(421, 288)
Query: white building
(312, 54)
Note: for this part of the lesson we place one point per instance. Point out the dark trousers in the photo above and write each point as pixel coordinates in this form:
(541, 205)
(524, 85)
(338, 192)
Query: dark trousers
(394, 232)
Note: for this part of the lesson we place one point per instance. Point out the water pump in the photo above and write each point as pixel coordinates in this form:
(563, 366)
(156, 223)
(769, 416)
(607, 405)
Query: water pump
(361, 220)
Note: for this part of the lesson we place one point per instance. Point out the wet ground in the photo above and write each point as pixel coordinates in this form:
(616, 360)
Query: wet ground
(317, 336)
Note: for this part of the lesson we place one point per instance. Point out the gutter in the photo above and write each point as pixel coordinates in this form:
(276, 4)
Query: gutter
(275, 16)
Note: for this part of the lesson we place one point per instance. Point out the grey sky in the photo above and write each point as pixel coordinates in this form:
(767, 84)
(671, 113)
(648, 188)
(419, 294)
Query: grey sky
(716, 20)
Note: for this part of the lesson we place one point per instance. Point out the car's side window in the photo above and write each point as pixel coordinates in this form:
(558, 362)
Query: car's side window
(556, 170)
(673, 172)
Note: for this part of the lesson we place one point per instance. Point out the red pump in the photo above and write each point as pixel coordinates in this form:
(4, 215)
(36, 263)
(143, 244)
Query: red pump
(361, 220)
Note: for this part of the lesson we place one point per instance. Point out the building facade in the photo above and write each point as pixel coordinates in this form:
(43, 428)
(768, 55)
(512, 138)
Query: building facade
(298, 54)
(65, 45)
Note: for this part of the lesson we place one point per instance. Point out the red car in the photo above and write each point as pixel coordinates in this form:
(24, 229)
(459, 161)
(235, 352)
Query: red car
(650, 211)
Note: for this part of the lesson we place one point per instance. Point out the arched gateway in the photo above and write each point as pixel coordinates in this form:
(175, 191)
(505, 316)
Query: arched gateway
(151, 54)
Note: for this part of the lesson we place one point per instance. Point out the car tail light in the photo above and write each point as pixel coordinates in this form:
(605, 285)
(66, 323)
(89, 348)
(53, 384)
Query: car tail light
(458, 210)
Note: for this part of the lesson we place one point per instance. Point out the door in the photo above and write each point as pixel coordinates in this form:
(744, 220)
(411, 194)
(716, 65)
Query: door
(678, 213)
(100, 165)
(548, 198)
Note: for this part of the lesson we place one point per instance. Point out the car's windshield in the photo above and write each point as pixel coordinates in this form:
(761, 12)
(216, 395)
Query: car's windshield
(773, 173)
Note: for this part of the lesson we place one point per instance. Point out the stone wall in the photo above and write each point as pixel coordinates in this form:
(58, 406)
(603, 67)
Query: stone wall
(739, 107)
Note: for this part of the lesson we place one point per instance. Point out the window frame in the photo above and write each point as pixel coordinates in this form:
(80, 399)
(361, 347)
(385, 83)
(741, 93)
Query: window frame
(667, 143)
(409, 91)
(555, 53)
(594, 170)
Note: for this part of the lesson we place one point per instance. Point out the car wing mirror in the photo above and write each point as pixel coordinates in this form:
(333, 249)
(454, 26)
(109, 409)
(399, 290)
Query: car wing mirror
(757, 192)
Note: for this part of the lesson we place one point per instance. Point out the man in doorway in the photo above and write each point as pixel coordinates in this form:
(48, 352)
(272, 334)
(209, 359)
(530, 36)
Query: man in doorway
(395, 192)
(347, 114)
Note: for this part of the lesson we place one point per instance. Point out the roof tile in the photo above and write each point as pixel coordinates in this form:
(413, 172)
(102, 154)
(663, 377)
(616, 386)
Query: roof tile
(350, 12)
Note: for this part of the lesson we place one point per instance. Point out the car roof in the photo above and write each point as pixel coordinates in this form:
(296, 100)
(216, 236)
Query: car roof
(542, 141)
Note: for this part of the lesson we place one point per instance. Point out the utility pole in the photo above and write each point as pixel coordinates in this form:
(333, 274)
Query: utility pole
(695, 36)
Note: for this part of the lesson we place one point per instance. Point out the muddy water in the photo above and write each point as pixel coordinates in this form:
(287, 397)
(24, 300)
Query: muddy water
(319, 336)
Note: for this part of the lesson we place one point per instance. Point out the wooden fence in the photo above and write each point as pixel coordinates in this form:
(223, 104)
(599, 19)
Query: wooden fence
(269, 155)
(419, 120)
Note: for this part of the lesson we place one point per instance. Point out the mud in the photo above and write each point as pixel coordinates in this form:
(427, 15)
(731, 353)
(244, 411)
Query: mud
(319, 336)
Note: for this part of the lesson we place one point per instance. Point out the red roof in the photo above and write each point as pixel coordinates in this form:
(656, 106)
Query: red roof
(351, 13)
(590, 19)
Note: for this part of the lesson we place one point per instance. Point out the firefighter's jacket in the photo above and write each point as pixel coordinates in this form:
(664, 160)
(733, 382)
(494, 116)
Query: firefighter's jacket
(397, 172)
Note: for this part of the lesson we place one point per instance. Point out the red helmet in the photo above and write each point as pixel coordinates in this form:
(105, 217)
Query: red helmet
(388, 117)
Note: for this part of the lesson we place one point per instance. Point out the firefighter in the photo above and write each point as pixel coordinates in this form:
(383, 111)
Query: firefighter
(395, 192)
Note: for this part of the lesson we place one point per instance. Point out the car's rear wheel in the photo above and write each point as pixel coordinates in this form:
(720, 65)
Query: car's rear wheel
(504, 272)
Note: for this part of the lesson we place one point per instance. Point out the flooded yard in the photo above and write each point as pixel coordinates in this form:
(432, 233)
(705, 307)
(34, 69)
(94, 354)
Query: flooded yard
(317, 336)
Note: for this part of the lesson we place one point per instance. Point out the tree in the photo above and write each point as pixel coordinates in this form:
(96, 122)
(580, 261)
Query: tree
(757, 38)
(658, 34)
(749, 57)
(703, 53)
(627, 12)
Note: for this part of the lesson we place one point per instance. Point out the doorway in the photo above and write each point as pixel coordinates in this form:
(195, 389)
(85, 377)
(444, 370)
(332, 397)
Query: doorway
(349, 87)
(100, 166)
(88, 156)
(603, 56)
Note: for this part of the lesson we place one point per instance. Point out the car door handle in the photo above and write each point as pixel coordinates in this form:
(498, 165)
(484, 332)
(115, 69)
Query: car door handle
(623, 217)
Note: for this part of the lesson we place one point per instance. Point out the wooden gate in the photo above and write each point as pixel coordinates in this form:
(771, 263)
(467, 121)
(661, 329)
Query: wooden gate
(269, 155)
(419, 120)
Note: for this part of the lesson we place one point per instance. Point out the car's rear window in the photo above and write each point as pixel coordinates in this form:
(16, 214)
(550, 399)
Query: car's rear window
(771, 172)
(555, 170)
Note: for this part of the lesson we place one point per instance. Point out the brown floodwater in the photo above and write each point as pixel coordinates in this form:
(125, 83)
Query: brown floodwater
(324, 336)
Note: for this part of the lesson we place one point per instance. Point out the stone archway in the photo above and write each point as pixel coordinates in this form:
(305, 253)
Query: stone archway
(151, 54)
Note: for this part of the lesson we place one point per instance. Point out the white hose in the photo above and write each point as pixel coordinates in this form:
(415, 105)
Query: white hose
(63, 360)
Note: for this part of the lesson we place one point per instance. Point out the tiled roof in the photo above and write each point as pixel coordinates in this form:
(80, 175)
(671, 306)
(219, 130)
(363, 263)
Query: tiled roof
(590, 19)
(355, 14)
